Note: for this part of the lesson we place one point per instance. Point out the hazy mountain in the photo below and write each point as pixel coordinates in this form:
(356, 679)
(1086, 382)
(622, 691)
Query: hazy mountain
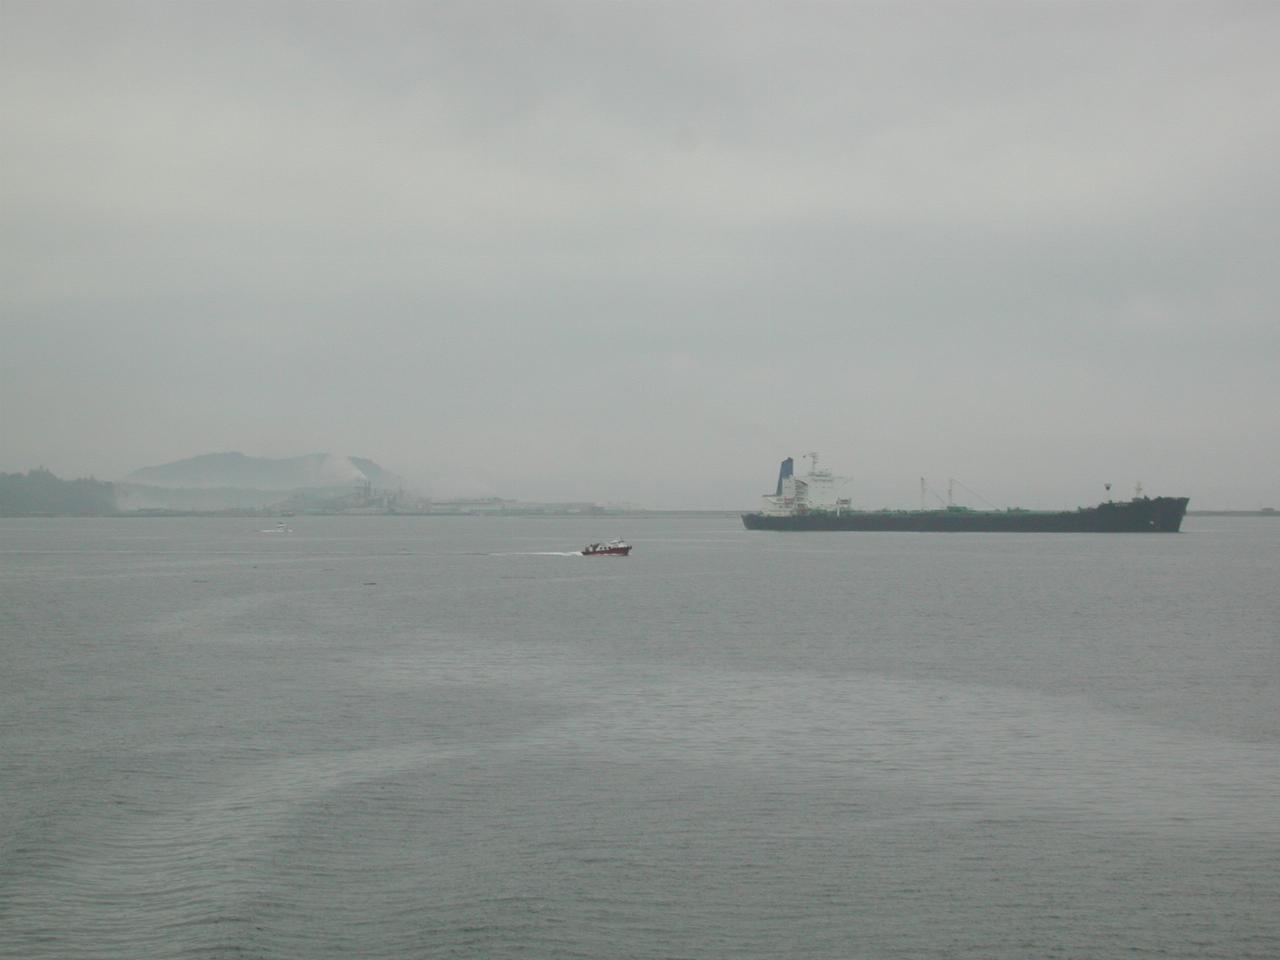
(235, 470)
(133, 497)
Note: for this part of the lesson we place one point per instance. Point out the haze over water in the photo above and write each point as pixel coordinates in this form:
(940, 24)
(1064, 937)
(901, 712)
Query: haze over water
(431, 737)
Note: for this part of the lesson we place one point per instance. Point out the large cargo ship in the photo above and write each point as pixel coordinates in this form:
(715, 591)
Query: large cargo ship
(813, 502)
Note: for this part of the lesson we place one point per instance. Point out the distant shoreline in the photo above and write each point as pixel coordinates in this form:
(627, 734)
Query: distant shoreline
(509, 515)
(1234, 513)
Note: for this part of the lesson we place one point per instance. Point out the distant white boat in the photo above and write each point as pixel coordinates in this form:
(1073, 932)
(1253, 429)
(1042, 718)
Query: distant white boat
(279, 528)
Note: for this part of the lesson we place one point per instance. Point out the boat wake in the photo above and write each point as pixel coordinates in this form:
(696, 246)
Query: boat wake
(537, 553)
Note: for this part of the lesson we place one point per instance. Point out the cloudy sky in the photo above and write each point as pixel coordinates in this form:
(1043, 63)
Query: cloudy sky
(642, 251)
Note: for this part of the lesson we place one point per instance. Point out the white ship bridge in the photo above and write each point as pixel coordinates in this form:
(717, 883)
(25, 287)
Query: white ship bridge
(816, 490)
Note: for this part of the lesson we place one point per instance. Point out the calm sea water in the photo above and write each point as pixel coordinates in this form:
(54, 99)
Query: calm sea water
(428, 737)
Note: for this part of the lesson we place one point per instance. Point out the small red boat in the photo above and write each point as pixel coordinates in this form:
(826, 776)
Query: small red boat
(614, 548)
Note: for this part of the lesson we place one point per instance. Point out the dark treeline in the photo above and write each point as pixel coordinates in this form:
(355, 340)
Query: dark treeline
(38, 493)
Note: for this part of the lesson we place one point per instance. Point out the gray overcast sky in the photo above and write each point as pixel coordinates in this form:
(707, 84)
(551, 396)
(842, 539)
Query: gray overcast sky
(642, 251)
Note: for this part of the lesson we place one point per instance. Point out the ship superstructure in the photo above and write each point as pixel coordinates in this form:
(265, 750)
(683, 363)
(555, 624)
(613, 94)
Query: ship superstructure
(817, 490)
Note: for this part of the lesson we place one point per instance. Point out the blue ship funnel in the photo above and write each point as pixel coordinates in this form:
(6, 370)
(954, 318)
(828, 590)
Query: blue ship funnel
(787, 468)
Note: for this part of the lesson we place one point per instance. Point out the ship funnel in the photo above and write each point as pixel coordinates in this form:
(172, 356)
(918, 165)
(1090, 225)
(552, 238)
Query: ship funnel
(786, 470)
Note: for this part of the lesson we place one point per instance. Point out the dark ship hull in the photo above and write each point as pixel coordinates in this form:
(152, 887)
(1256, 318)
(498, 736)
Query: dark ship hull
(1143, 515)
